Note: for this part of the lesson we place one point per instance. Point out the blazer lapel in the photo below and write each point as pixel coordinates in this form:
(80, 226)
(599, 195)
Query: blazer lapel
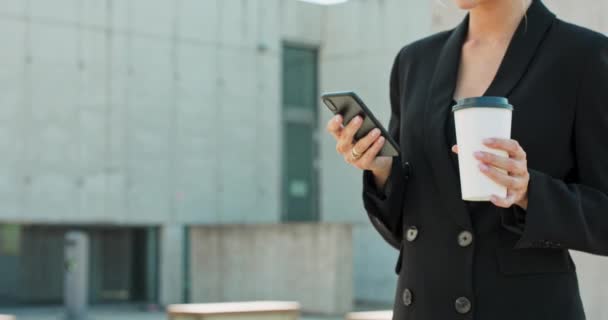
(438, 105)
(521, 50)
(519, 54)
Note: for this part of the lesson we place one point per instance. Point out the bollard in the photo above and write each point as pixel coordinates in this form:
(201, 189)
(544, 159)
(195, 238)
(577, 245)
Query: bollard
(76, 275)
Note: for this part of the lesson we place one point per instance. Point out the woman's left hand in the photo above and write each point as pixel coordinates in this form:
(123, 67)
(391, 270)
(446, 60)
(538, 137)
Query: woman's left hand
(516, 177)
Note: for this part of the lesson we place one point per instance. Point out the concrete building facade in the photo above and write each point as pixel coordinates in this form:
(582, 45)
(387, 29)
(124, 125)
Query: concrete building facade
(137, 120)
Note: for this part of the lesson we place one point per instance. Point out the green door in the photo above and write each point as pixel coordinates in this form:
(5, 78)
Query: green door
(300, 152)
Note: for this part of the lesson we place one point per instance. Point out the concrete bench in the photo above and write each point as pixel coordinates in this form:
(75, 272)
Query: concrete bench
(370, 315)
(249, 310)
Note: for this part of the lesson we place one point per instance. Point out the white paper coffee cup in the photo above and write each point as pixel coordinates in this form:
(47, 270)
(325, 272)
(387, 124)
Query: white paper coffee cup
(477, 118)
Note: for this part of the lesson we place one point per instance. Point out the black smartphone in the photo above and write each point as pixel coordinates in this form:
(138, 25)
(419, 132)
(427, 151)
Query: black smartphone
(348, 104)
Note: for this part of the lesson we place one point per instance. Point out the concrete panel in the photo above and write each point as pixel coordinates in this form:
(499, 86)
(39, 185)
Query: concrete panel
(54, 44)
(50, 198)
(92, 141)
(115, 201)
(119, 99)
(116, 149)
(148, 162)
(94, 69)
(55, 11)
(95, 13)
(197, 154)
(152, 65)
(13, 7)
(301, 21)
(52, 127)
(199, 20)
(153, 17)
(197, 67)
(591, 14)
(121, 15)
(11, 143)
(238, 146)
(344, 33)
(93, 193)
(12, 32)
(119, 71)
(265, 267)
(238, 72)
(401, 30)
(11, 99)
(269, 126)
(148, 198)
(171, 264)
(149, 110)
(11, 116)
(10, 194)
(237, 23)
(53, 148)
(269, 25)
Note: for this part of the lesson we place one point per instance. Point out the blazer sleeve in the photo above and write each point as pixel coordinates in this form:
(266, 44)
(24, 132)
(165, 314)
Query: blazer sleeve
(574, 215)
(384, 206)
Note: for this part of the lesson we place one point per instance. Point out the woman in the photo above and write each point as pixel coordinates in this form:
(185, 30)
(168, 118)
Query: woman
(508, 258)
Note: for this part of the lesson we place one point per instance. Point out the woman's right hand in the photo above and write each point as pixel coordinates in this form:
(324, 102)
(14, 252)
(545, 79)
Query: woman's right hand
(368, 146)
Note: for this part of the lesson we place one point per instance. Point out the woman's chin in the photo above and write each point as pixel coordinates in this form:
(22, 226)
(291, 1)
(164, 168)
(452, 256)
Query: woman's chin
(465, 4)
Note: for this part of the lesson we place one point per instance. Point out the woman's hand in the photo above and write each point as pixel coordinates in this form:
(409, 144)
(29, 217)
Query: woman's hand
(516, 177)
(361, 153)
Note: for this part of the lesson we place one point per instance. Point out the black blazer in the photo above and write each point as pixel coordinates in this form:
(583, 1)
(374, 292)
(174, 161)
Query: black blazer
(497, 263)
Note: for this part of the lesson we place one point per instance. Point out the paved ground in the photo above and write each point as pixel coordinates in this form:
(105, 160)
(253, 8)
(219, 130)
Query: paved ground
(122, 312)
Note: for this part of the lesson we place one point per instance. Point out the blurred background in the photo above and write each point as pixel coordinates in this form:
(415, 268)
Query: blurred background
(187, 139)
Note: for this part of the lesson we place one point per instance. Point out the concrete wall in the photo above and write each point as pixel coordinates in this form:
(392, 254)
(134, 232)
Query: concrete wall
(124, 111)
(309, 263)
(144, 113)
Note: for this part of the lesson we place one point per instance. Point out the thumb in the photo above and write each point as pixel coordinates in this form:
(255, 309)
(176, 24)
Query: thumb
(455, 148)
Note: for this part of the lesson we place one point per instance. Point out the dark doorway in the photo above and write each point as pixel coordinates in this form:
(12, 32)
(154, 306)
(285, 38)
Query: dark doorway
(123, 264)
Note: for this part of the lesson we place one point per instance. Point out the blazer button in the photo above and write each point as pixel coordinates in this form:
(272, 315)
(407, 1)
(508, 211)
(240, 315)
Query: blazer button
(407, 297)
(407, 169)
(462, 305)
(411, 234)
(465, 238)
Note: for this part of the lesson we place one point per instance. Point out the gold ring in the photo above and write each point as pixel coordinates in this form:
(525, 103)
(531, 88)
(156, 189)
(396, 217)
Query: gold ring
(356, 155)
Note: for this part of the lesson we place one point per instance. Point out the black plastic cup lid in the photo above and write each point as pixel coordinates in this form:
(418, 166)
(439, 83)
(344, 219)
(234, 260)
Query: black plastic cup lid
(482, 102)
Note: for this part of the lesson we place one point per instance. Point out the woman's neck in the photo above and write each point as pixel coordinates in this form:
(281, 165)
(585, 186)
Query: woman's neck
(496, 20)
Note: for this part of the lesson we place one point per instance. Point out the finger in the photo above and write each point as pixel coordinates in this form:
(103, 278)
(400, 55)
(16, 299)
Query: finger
(334, 126)
(515, 167)
(500, 177)
(368, 157)
(511, 146)
(503, 202)
(345, 142)
(365, 142)
(455, 148)
(352, 127)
